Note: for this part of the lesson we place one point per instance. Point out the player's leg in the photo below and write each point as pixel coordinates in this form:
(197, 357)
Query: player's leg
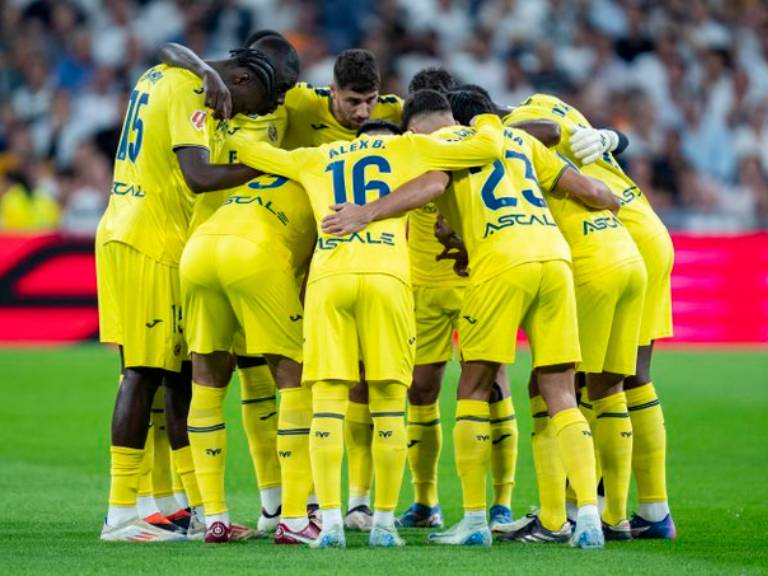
(653, 519)
(555, 313)
(211, 373)
(387, 344)
(612, 426)
(424, 441)
(210, 327)
(258, 407)
(436, 312)
(162, 484)
(550, 523)
(358, 436)
(503, 452)
(147, 351)
(490, 316)
(294, 422)
(331, 367)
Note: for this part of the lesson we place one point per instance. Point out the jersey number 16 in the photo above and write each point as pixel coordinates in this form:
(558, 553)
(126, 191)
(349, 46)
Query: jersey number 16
(360, 186)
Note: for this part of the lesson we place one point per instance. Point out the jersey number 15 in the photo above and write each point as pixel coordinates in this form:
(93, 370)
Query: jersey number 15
(133, 127)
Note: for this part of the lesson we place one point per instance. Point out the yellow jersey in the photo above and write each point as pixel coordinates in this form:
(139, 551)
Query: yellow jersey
(424, 248)
(505, 220)
(364, 170)
(598, 239)
(270, 211)
(151, 205)
(268, 128)
(311, 122)
(636, 212)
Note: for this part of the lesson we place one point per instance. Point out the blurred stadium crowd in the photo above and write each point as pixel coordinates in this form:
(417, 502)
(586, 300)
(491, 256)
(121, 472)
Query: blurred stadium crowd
(686, 80)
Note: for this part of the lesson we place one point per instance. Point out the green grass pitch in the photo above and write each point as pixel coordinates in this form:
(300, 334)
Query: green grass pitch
(54, 461)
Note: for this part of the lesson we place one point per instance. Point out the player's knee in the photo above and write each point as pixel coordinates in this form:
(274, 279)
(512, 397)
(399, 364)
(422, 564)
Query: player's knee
(426, 384)
(476, 380)
(642, 374)
(214, 369)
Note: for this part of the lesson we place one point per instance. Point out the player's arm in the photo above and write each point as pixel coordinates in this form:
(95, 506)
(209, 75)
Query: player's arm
(545, 131)
(478, 148)
(559, 178)
(217, 96)
(349, 218)
(589, 191)
(202, 176)
(267, 158)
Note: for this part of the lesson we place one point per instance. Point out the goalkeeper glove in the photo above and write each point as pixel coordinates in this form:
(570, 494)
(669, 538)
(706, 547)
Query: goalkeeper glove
(588, 144)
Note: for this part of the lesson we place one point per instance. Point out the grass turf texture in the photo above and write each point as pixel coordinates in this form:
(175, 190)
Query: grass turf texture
(54, 462)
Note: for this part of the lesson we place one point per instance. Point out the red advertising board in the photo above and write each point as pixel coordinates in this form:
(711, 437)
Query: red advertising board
(719, 289)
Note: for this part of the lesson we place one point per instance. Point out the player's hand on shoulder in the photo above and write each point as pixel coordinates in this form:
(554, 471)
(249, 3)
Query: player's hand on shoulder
(217, 96)
(346, 219)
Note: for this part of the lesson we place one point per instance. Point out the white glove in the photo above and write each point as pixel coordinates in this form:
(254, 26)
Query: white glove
(588, 144)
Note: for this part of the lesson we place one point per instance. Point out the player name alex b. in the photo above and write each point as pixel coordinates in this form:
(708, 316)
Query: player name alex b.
(355, 146)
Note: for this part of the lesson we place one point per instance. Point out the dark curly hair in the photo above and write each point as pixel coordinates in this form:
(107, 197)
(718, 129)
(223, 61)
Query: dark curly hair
(356, 69)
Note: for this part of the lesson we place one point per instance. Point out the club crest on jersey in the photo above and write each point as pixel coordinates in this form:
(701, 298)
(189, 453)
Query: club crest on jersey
(272, 133)
(198, 119)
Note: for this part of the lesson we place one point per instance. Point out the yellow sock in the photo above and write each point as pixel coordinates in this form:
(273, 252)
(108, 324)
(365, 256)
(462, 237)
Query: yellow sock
(649, 451)
(503, 451)
(358, 436)
(425, 440)
(124, 473)
(293, 450)
(144, 487)
(613, 441)
(259, 411)
(178, 485)
(162, 485)
(472, 444)
(387, 401)
(326, 439)
(578, 453)
(586, 406)
(208, 440)
(184, 468)
(550, 473)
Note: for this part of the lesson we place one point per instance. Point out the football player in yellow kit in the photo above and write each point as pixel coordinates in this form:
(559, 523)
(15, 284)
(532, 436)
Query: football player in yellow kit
(320, 115)
(593, 150)
(257, 387)
(359, 302)
(519, 272)
(162, 161)
(239, 274)
(611, 283)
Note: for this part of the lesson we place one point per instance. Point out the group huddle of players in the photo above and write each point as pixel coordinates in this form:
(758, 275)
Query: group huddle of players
(328, 243)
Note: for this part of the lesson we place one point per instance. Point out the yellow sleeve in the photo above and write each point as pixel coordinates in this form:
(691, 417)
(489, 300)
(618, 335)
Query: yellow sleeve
(272, 160)
(467, 149)
(298, 98)
(526, 113)
(188, 118)
(548, 165)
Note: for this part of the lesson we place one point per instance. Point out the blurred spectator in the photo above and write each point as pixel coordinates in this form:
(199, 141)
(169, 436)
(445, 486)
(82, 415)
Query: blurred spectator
(687, 80)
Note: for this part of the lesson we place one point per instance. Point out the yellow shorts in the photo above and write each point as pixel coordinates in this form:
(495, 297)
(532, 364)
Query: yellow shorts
(659, 256)
(140, 307)
(230, 284)
(437, 315)
(610, 310)
(537, 296)
(353, 318)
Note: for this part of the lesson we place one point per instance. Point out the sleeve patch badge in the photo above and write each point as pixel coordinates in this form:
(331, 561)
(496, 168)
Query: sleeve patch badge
(198, 119)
